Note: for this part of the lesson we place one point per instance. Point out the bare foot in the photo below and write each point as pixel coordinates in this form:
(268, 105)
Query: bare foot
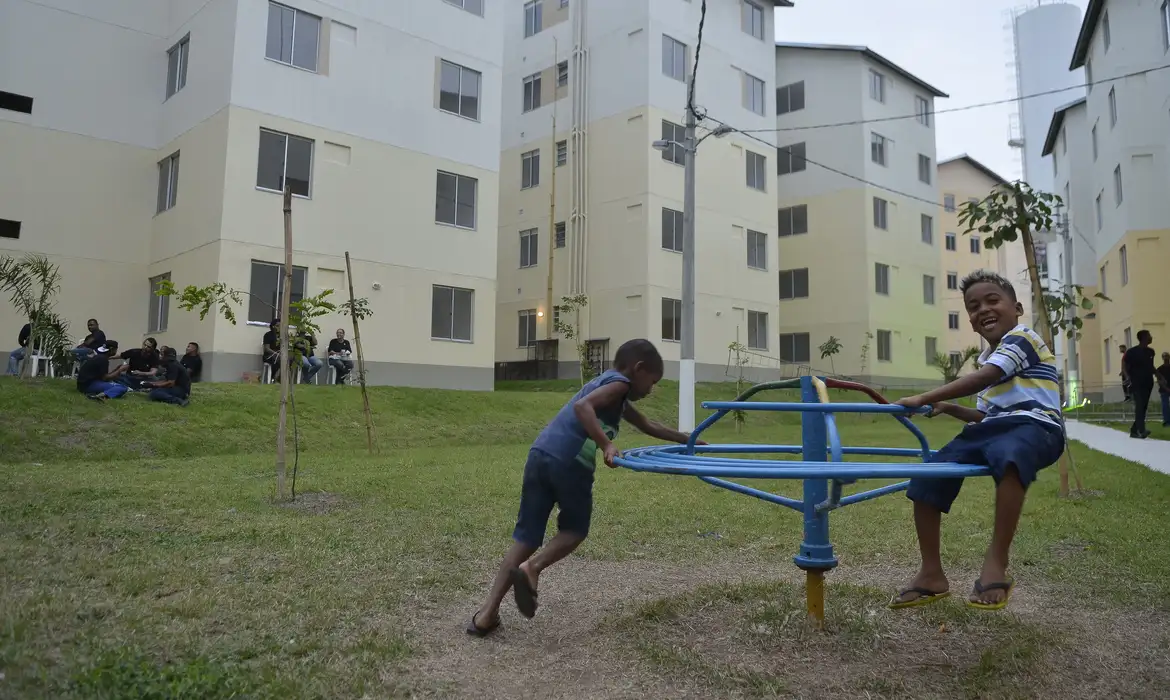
(934, 581)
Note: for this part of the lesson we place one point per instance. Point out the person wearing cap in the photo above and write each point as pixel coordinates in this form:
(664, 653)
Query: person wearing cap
(94, 378)
(175, 385)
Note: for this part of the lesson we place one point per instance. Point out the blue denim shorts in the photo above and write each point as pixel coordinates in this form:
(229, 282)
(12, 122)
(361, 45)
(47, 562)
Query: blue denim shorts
(548, 482)
(1025, 443)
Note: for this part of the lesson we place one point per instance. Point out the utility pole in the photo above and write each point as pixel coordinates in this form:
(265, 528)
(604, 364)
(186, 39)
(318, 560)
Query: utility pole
(686, 368)
(1072, 373)
(549, 315)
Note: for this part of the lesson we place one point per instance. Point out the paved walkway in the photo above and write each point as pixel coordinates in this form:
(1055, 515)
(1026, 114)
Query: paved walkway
(1155, 454)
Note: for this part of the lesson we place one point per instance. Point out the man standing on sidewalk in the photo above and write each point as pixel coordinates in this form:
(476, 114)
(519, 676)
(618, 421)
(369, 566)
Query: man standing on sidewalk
(1138, 363)
(1164, 388)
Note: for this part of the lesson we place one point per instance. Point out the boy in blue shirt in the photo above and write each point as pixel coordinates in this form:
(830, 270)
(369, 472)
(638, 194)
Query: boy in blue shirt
(559, 471)
(1016, 430)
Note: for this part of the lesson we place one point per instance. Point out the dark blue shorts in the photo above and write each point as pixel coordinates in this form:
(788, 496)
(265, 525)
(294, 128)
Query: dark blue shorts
(1025, 443)
(548, 482)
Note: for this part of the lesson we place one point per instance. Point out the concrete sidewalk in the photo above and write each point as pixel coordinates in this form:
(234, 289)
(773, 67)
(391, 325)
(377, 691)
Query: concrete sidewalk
(1154, 454)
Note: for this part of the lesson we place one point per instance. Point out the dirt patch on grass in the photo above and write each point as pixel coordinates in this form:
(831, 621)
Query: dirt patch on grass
(316, 503)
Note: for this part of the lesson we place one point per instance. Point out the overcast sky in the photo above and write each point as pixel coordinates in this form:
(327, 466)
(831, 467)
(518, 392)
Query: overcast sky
(959, 46)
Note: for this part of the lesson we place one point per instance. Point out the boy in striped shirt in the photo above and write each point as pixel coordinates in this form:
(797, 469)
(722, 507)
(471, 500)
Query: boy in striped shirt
(1016, 430)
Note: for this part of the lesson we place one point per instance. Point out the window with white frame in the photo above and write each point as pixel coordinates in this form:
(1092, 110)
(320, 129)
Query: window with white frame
(1124, 255)
(974, 243)
(790, 98)
(475, 7)
(530, 169)
(931, 349)
(1093, 137)
(951, 241)
(927, 227)
(529, 248)
(562, 153)
(1108, 356)
(533, 17)
(922, 110)
(791, 159)
(455, 199)
(757, 330)
(757, 173)
(560, 234)
(452, 313)
(159, 307)
(177, 65)
(793, 221)
(1129, 337)
(527, 329)
(953, 320)
(1165, 22)
(1100, 214)
(952, 281)
(674, 58)
(672, 230)
(284, 159)
(294, 37)
(1104, 278)
(881, 279)
(674, 135)
(459, 89)
(757, 250)
(881, 211)
(949, 202)
(1118, 193)
(954, 356)
(266, 288)
(924, 169)
(1106, 33)
(531, 97)
(794, 347)
(877, 148)
(671, 319)
(168, 182)
(562, 74)
(1112, 107)
(1089, 75)
(752, 18)
(754, 90)
(877, 86)
(794, 284)
(928, 289)
(885, 350)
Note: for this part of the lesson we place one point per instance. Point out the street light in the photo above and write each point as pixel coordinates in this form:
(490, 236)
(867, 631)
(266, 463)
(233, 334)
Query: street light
(686, 365)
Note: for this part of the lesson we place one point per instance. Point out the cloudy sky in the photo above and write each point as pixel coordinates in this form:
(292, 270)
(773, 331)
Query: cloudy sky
(959, 46)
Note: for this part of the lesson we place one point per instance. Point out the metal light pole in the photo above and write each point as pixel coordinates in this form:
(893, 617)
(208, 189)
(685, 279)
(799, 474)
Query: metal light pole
(1072, 378)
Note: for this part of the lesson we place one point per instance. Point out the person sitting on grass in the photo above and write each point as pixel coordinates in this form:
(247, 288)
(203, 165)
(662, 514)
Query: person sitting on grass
(141, 364)
(559, 472)
(95, 339)
(1016, 430)
(94, 378)
(175, 385)
(192, 361)
(16, 356)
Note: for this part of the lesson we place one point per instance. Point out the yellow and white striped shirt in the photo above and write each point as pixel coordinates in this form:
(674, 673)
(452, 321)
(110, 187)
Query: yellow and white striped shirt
(1030, 385)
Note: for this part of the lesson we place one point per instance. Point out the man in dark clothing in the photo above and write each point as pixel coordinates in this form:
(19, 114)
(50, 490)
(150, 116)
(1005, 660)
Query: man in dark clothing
(1138, 363)
(339, 356)
(1164, 388)
(271, 353)
(93, 341)
(192, 362)
(141, 364)
(95, 379)
(175, 386)
(18, 354)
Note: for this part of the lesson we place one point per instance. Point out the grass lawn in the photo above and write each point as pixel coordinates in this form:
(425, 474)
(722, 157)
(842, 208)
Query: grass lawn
(142, 557)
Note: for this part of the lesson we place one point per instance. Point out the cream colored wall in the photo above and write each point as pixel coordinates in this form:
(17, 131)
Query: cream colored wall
(1090, 349)
(1142, 302)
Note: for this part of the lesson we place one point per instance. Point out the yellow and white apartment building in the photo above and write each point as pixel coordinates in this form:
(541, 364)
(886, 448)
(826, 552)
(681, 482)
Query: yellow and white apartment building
(614, 76)
(150, 139)
(858, 262)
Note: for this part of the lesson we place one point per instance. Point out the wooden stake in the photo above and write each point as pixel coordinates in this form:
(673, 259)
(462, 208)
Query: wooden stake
(357, 343)
(285, 302)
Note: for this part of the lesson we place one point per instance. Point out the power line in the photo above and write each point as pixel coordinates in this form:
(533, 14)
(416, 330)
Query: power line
(698, 50)
(979, 105)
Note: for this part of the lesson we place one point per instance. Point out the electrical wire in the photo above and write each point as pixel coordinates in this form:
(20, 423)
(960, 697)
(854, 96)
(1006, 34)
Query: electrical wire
(695, 67)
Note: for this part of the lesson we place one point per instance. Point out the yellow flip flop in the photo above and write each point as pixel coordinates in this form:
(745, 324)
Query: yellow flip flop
(980, 589)
(925, 597)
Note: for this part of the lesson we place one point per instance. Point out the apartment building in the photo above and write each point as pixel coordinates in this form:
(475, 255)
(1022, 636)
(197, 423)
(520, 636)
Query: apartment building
(859, 220)
(1117, 164)
(614, 76)
(161, 153)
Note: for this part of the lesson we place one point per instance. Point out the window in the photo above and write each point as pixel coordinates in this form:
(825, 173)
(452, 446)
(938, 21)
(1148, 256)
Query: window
(1108, 351)
(1104, 279)
(527, 329)
(674, 59)
(952, 281)
(1106, 35)
(757, 173)
(1129, 337)
(531, 93)
(1063, 141)
(451, 313)
(794, 347)
(284, 159)
(877, 148)
(880, 213)
(922, 110)
(951, 240)
(752, 18)
(974, 243)
(562, 74)
(9, 229)
(1055, 165)
(757, 330)
(293, 37)
(168, 183)
(672, 230)
(177, 65)
(674, 135)
(562, 153)
(560, 234)
(793, 220)
(924, 169)
(529, 169)
(475, 7)
(1165, 25)
(949, 202)
(1118, 194)
(790, 159)
(790, 98)
(529, 248)
(459, 90)
(928, 229)
(159, 307)
(671, 319)
(953, 320)
(1124, 265)
(928, 289)
(267, 288)
(794, 284)
(753, 94)
(881, 279)
(757, 250)
(533, 19)
(884, 351)
(1100, 214)
(16, 103)
(455, 197)
(1112, 107)
(1089, 75)
(877, 86)
(1093, 137)
(931, 349)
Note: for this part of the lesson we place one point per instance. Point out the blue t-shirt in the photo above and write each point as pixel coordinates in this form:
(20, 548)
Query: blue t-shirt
(564, 438)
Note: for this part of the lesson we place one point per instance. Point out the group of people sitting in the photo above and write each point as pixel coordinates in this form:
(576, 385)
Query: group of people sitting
(339, 354)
